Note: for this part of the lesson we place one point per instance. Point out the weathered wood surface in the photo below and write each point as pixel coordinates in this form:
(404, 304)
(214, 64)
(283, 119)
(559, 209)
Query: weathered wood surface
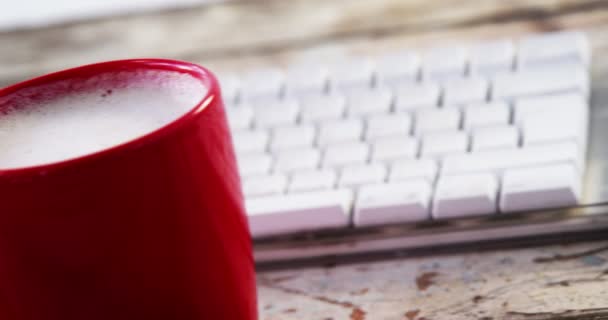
(513, 284)
(271, 31)
(557, 282)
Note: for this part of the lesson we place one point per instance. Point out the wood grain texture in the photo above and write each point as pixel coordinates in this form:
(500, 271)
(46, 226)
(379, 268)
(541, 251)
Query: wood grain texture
(557, 282)
(510, 284)
(262, 28)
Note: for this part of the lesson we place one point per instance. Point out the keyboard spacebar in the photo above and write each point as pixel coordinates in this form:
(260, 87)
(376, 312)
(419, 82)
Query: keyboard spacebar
(289, 213)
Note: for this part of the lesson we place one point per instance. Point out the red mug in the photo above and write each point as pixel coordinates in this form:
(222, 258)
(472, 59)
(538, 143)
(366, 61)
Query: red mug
(151, 229)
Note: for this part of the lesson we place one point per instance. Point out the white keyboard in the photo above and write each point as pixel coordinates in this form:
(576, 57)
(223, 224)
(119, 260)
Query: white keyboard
(454, 132)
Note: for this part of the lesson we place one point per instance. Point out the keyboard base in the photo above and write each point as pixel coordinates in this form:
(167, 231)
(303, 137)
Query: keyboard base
(505, 230)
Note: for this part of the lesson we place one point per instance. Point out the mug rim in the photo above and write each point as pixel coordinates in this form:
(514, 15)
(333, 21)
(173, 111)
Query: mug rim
(202, 74)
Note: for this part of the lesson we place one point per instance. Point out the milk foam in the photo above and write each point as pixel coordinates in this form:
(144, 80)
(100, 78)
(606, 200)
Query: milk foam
(68, 119)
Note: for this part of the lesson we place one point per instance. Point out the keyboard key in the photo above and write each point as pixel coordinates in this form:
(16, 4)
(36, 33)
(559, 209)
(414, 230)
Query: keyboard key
(352, 73)
(345, 154)
(410, 97)
(310, 180)
(321, 108)
(394, 147)
(276, 113)
(309, 211)
(262, 84)
(444, 63)
(264, 185)
(444, 143)
(366, 102)
(572, 104)
(357, 175)
(465, 195)
(569, 47)
(543, 81)
(395, 68)
(338, 131)
(537, 130)
(410, 169)
(499, 160)
(489, 58)
(254, 164)
(567, 114)
(293, 137)
(250, 141)
(306, 79)
(500, 137)
(540, 188)
(239, 118)
(458, 92)
(398, 202)
(434, 120)
(484, 115)
(384, 125)
(297, 159)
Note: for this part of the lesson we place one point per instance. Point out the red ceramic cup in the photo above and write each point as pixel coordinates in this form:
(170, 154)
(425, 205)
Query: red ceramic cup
(151, 229)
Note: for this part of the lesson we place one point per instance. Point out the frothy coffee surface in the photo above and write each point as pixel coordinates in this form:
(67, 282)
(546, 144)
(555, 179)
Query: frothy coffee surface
(69, 119)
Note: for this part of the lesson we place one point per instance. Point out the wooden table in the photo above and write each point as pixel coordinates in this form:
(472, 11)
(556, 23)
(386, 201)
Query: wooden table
(555, 282)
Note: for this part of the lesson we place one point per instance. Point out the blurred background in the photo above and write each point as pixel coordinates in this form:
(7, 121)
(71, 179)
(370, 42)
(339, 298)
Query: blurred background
(33, 13)
(39, 36)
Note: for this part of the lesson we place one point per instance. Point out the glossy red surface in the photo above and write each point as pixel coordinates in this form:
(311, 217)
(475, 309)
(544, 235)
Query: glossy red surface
(152, 229)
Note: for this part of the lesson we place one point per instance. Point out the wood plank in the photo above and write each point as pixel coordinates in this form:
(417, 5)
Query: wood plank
(510, 284)
(262, 28)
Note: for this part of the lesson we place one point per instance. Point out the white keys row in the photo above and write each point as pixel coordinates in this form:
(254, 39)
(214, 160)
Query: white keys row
(492, 149)
(412, 200)
(494, 155)
(483, 59)
(329, 111)
(348, 176)
(529, 115)
(564, 153)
